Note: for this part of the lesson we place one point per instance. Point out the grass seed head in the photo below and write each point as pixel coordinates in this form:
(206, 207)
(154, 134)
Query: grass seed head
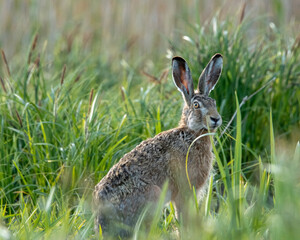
(5, 62)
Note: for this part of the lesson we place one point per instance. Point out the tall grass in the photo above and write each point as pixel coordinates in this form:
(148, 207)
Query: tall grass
(269, 61)
(67, 116)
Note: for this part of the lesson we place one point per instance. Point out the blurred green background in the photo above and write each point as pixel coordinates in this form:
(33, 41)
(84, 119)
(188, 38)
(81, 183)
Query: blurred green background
(126, 28)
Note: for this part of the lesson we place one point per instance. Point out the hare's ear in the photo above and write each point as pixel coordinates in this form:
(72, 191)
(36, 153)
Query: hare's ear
(210, 75)
(182, 78)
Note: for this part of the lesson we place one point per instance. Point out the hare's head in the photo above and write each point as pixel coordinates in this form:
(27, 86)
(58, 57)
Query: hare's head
(200, 111)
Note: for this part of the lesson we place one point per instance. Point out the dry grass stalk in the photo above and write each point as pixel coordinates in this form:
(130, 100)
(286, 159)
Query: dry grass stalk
(156, 79)
(33, 46)
(63, 75)
(37, 61)
(78, 76)
(150, 77)
(71, 37)
(19, 119)
(5, 62)
(130, 43)
(3, 85)
(164, 74)
(242, 15)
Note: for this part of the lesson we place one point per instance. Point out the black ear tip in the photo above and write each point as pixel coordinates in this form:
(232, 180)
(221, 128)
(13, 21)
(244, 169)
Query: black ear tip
(217, 55)
(178, 59)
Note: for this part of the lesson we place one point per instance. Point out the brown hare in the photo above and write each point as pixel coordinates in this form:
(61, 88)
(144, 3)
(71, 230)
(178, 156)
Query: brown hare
(137, 179)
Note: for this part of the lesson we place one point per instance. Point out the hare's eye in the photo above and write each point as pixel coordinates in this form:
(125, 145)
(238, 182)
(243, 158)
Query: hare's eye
(196, 105)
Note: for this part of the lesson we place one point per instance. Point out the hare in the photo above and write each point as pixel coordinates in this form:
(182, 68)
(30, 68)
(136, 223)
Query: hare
(137, 179)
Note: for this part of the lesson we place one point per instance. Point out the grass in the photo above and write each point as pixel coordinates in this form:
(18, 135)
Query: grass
(66, 121)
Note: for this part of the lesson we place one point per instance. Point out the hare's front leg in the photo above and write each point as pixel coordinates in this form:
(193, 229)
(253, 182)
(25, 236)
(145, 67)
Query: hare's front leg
(133, 205)
(180, 212)
(179, 204)
(181, 201)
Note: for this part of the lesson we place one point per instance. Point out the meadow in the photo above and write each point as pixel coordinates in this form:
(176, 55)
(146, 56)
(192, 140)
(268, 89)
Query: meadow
(83, 84)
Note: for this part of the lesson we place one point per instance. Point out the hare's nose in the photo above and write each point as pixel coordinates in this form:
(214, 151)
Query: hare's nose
(214, 120)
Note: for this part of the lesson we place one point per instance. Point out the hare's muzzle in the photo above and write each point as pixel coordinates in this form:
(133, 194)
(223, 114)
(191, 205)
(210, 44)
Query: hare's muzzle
(215, 122)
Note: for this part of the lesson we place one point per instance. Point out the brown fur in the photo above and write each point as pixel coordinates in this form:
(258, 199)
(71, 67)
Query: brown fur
(137, 179)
